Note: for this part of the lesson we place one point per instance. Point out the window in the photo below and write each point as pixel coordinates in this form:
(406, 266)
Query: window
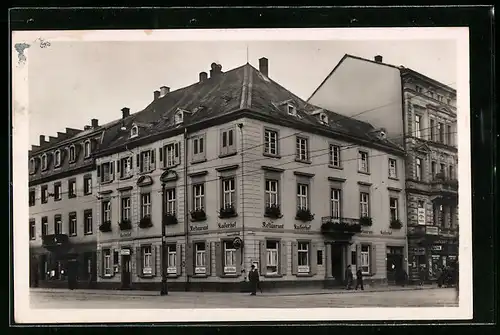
(393, 207)
(44, 162)
(228, 192)
(272, 248)
(145, 204)
(365, 259)
(451, 173)
(448, 101)
(179, 117)
(171, 259)
(302, 151)
(199, 148)
(418, 89)
(72, 188)
(32, 230)
(335, 202)
(125, 167)
(199, 196)
(433, 169)
(72, 224)
(171, 153)
(323, 118)
(45, 194)
(319, 257)
(147, 161)
(170, 207)
(45, 226)
(363, 161)
(106, 172)
(86, 149)
(134, 132)
(418, 169)
(449, 135)
(271, 193)
(87, 217)
(32, 197)
(125, 208)
(291, 110)
(303, 257)
(433, 130)
(57, 192)
(392, 168)
(229, 257)
(57, 224)
(228, 142)
(200, 258)
(106, 211)
(442, 169)
(271, 142)
(364, 201)
(32, 165)
(57, 158)
(72, 153)
(441, 132)
(147, 260)
(108, 271)
(440, 209)
(431, 94)
(440, 97)
(334, 155)
(302, 202)
(418, 126)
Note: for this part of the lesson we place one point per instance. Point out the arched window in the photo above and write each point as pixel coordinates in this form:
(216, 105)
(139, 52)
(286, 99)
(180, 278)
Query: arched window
(44, 162)
(86, 149)
(72, 153)
(291, 110)
(32, 165)
(178, 117)
(134, 131)
(57, 158)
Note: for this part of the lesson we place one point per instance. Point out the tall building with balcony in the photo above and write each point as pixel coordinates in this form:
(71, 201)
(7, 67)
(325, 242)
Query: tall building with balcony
(419, 113)
(61, 207)
(235, 170)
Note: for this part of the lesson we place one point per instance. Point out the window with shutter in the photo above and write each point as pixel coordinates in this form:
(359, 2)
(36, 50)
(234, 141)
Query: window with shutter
(99, 264)
(189, 259)
(283, 258)
(263, 257)
(179, 259)
(208, 257)
(313, 257)
(138, 261)
(218, 259)
(294, 258)
(373, 260)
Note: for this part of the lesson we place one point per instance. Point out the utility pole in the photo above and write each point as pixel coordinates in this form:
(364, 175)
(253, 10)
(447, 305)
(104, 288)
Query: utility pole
(240, 125)
(164, 288)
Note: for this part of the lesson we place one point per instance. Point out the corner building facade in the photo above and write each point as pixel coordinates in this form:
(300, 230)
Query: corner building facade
(306, 191)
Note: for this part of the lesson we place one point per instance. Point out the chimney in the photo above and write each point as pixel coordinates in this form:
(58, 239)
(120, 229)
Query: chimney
(378, 59)
(125, 112)
(42, 139)
(203, 76)
(215, 70)
(156, 95)
(87, 128)
(95, 123)
(164, 90)
(264, 66)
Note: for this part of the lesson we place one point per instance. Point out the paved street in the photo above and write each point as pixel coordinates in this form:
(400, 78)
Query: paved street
(430, 297)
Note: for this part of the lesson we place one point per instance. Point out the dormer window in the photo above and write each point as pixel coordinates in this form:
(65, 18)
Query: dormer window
(323, 118)
(44, 162)
(86, 149)
(179, 116)
(292, 110)
(134, 132)
(32, 165)
(57, 158)
(72, 153)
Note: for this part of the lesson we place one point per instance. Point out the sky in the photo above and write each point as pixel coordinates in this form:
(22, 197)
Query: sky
(72, 82)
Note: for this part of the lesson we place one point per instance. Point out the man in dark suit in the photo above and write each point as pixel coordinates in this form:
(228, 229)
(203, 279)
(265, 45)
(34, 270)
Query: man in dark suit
(359, 279)
(253, 277)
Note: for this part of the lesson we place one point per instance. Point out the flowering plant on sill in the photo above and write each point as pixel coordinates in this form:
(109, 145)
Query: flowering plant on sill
(198, 214)
(227, 211)
(125, 224)
(169, 219)
(365, 221)
(146, 222)
(396, 224)
(105, 226)
(304, 214)
(273, 211)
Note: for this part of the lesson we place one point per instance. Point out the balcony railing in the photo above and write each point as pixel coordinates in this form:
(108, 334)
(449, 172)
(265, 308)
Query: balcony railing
(432, 230)
(330, 224)
(442, 184)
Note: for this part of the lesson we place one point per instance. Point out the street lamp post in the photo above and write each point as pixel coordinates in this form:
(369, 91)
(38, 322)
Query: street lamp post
(164, 288)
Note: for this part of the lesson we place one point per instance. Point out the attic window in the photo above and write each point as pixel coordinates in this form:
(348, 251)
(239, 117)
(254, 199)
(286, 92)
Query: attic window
(72, 154)
(86, 148)
(134, 132)
(44, 162)
(292, 110)
(32, 165)
(323, 118)
(178, 117)
(57, 158)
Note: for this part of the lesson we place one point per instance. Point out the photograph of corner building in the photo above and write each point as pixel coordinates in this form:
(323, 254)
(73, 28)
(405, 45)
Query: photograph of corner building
(62, 234)
(235, 155)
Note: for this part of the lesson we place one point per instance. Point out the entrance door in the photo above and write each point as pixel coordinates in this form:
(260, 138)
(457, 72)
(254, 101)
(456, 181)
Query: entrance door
(394, 263)
(337, 270)
(126, 271)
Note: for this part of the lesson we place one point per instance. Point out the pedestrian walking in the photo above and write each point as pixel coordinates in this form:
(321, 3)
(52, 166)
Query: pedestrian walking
(254, 279)
(359, 279)
(348, 277)
(422, 275)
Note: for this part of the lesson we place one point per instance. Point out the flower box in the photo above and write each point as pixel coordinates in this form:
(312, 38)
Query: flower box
(169, 219)
(273, 212)
(198, 215)
(365, 221)
(125, 225)
(146, 222)
(304, 214)
(105, 226)
(227, 211)
(396, 224)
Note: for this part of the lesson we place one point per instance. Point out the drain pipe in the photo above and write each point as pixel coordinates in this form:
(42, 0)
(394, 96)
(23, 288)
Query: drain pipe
(240, 125)
(186, 208)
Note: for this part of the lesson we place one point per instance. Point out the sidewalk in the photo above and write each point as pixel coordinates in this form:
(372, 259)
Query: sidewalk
(284, 292)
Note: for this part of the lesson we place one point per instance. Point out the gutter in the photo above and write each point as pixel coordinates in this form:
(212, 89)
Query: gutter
(186, 208)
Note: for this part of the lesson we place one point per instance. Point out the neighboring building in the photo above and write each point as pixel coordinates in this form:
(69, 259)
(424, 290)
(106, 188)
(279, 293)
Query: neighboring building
(62, 207)
(237, 155)
(419, 113)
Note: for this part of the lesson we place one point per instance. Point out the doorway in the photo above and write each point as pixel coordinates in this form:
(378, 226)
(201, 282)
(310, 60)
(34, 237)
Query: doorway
(394, 264)
(337, 269)
(126, 275)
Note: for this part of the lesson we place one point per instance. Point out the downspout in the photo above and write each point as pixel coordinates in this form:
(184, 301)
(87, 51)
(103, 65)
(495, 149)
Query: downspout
(186, 208)
(240, 125)
(405, 123)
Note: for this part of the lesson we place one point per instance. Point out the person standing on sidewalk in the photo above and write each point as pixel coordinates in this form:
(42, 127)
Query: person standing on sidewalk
(253, 277)
(348, 277)
(359, 279)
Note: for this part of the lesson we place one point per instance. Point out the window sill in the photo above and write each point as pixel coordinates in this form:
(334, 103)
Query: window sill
(227, 216)
(87, 193)
(271, 155)
(126, 177)
(229, 275)
(73, 235)
(170, 275)
(55, 200)
(32, 238)
(200, 276)
(57, 167)
(106, 182)
(304, 275)
(88, 233)
(72, 162)
(394, 178)
(147, 276)
(44, 202)
(71, 196)
(335, 167)
(273, 276)
(145, 172)
(198, 160)
(198, 220)
(364, 172)
(228, 154)
(302, 161)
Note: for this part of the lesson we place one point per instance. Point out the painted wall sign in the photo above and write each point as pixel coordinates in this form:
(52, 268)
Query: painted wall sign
(421, 216)
(272, 225)
(126, 233)
(302, 226)
(386, 232)
(227, 225)
(436, 248)
(198, 228)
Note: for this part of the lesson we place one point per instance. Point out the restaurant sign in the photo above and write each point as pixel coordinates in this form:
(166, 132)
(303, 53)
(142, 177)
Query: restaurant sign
(302, 226)
(272, 225)
(421, 216)
(198, 228)
(226, 225)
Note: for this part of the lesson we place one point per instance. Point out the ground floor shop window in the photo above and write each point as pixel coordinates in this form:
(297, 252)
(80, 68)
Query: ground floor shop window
(108, 270)
(172, 258)
(272, 252)
(200, 258)
(365, 259)
(229, 258)
(147, 264)
(303, 257)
